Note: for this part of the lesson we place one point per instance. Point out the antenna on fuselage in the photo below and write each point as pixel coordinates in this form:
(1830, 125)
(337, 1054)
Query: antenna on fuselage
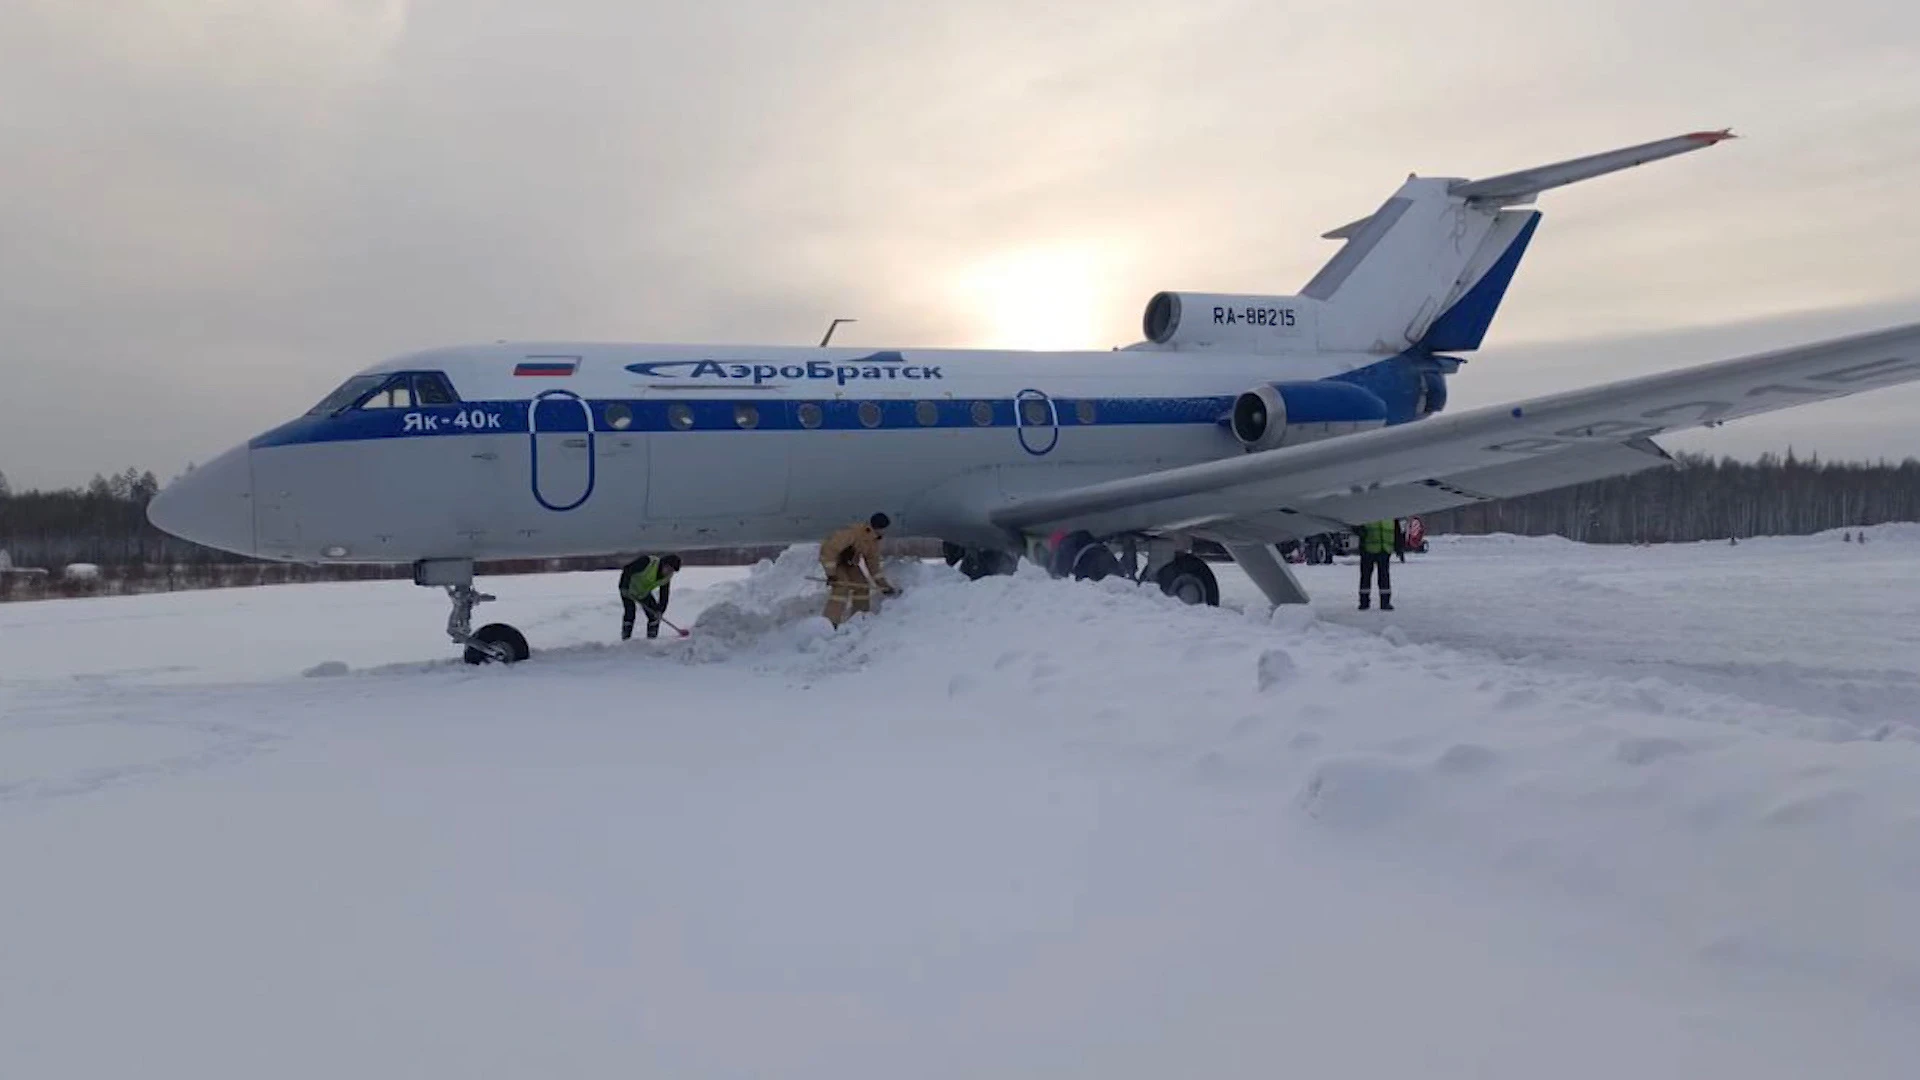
(831, 327)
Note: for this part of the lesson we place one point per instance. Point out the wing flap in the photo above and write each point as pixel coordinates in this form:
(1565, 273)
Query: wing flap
(1575, 465)
(1495, 452)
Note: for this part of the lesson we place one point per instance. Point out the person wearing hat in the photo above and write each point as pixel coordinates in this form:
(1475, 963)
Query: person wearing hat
(841, 557)
(639, 580)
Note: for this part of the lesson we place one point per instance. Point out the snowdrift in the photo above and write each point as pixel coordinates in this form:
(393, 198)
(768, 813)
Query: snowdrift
(1579, 812)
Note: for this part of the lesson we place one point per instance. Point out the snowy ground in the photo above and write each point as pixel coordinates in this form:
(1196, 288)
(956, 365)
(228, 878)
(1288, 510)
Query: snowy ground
(1569, 812)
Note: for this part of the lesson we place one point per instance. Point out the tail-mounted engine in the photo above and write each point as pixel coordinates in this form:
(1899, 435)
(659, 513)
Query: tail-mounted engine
(1175, 320)
(1287, 414)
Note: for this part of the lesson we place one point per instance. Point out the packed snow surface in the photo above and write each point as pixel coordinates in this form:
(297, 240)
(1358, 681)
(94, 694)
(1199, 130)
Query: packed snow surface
(1568, 812)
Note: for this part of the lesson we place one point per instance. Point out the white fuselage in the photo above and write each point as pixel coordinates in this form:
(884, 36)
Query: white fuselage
(565, 449)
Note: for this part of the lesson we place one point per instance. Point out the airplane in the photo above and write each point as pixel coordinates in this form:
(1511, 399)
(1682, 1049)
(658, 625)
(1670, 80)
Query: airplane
(1240, 420)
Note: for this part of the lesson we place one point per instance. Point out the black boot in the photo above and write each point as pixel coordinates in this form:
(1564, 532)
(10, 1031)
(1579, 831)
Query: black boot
(1366, 601)
(626, 631)
(1386, 601)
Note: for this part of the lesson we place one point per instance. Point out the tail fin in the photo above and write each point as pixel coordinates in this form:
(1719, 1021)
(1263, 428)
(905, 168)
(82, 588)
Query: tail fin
(1430, 267)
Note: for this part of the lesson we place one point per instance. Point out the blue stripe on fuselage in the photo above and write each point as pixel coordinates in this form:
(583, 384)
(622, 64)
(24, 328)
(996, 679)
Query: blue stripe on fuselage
(1395, 380)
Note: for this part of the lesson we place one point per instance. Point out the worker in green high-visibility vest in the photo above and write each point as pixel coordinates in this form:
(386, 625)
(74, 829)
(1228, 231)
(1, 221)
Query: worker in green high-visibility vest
(639, 580)
(1378, 541)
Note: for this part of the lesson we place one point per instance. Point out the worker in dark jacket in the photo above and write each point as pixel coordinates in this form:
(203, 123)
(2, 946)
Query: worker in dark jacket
(1378, 539)
(639, 581)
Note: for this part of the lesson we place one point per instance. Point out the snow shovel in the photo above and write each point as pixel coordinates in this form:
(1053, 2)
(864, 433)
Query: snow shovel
(868, 588)
(663, 618)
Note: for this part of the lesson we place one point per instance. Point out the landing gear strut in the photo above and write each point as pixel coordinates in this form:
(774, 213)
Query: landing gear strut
(494, 643)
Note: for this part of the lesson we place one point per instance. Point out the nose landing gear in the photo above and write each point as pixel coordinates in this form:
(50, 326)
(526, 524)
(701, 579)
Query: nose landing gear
(494, 643)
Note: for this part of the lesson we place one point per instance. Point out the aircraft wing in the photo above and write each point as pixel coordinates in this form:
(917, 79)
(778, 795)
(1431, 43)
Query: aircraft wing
(1483, 454)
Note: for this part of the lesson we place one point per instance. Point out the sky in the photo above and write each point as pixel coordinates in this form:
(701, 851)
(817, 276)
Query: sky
(212, 211)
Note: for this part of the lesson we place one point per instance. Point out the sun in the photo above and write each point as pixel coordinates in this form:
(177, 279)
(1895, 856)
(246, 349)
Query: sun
(1033, 298)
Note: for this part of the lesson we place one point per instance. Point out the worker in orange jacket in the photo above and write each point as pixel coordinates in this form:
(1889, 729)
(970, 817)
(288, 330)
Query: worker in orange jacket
(842, 556)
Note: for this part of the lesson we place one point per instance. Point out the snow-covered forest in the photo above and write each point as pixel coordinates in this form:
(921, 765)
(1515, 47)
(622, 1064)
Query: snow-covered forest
(1705, 499)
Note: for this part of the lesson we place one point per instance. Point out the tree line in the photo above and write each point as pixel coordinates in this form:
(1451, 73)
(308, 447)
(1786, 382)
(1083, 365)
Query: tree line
(105, 523)
(1704, 499)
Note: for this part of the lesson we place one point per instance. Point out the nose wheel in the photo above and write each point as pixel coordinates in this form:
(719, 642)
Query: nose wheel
(497, 643)
(494, 643)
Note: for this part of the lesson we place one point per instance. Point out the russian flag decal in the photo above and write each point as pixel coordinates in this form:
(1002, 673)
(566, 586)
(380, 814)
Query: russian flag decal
(549, 367)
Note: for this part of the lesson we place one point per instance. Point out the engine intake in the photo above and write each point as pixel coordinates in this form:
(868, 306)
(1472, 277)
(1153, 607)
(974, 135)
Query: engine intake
(1287, 414)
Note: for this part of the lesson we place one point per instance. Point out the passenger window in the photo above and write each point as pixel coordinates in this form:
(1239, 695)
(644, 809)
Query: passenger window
(869, 414)
(810, 415)
(430, 388)
(927, 413)
(1084, 410)
(982, 413)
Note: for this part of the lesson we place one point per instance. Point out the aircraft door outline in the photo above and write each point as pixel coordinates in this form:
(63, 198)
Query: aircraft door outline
(1040, 431)
(563, 442)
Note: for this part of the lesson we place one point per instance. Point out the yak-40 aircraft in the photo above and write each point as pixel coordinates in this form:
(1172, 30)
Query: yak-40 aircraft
(1243, 420)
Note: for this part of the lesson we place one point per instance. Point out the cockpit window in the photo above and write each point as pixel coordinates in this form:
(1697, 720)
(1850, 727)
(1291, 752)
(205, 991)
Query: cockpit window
(347, 393)
(397, 390)
(396, 394)
(430, 388)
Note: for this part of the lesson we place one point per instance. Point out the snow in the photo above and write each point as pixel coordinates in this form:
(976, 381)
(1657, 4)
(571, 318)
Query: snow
(1567, 811)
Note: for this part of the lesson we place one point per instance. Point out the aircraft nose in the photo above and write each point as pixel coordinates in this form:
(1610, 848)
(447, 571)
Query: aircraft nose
(212, 505)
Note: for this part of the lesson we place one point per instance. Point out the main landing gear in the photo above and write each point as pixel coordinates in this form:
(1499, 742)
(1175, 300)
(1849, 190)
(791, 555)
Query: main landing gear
(1164, 561)
(494, 643)
(978, 563)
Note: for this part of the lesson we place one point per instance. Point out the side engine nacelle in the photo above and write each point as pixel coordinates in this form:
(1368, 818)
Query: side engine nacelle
(1177, 320)
(1287, 414)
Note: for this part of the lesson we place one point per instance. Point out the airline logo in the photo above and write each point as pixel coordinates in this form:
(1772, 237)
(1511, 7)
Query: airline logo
(879, 367)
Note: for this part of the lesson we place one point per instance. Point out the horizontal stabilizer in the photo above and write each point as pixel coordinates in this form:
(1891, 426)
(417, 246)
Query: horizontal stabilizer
(1438, 255)
(1529, 182)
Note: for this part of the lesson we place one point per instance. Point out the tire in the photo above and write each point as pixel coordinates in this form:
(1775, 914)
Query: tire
(1065, 554)
(1095, 562)
(980, 563)
(1319, 552)
(1190, 580)
(499, 634)
(953, 553)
